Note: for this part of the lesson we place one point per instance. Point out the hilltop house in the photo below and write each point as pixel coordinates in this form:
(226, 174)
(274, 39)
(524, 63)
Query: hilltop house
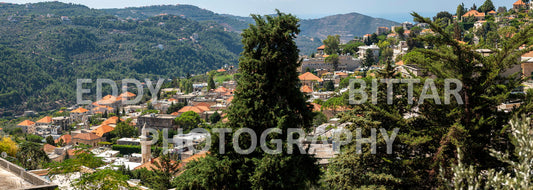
(373, 48)
(475, 14)
(86, 138)
(78, 114)
(519, 5)
(309, 79)
(27, 126)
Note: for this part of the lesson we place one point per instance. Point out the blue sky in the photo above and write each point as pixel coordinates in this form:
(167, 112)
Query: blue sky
(392, 9)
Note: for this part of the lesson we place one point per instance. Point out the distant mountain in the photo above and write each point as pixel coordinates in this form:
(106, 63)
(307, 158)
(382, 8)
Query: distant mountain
(45, 47)
(233, 23)
(346, 25)
(313, 31)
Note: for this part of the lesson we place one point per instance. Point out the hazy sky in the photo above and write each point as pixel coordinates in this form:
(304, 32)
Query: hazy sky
(301, 8)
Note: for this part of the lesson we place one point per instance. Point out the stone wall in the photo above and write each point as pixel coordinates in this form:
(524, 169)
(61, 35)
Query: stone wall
(38, 182)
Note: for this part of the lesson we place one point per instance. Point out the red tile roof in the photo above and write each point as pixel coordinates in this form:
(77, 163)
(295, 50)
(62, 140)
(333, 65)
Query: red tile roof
(221, 70)
(174, 113)
(48, 148)
(79, 110)
(306, 89)
(528, 54)
(316, 107)
(127, 94)
(103, 129)
(111, 120)
(195, 109)
(46, 119)
(86, 136)
(322, 47)
(309, 77)
(519, 2)
(26, 123)
(473, 13)
(221, 89)
(149, 165)
(66, 139)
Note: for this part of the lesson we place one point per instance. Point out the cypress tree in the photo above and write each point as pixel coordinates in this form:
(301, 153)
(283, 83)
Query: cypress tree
(267, 96)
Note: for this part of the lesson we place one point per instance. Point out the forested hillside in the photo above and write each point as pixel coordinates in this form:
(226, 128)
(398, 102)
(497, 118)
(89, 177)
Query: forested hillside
(45, 47)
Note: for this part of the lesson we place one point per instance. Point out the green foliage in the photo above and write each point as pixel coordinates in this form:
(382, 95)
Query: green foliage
(125, 130)
(518, 176)
(210, 82)
(175, 107)
(34, 138)
(31, 156)
(268, 67)
(486, 7)
(334, 60)
(102, 180)
(352, 47)
(319, 119)
(127, 149)
(130, 149)
(53, 53)
(164, 171)
(369, 59)
(329, 85)
(215, 118)
(188, 120)
(186, 86)
(332, 44)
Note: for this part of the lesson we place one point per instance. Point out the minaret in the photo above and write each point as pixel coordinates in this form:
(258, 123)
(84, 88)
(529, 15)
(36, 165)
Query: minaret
(145, 146)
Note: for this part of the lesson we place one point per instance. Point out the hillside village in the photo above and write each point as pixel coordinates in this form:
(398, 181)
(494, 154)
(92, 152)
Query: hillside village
(114, 132)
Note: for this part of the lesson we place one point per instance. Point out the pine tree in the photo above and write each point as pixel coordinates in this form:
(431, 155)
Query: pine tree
(211, 82)
(267, 96)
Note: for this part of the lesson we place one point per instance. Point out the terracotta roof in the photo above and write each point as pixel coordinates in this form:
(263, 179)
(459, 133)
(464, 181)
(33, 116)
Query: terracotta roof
(73, 152)
(342, 74)
(109, 97)
(309, 77)
(172, 100)
(111, 120)
(221, 70)
(66, 139)
(528, 54)
(26, 123)
(367, 35)
(229, 99)
(519, 2)
(203, 108)
(221, 89)
(46, 119)
(48, 148)
(149, 165)
(203, 104)
(322, 47)
(316, 107)
(79, 110)
(103, 129)
(192, 158)
(399, 63)
(191, 108)
(86, 136)
(492, 12)
(474, 13)
(127, 94)
(306, 89)
(175, 113)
